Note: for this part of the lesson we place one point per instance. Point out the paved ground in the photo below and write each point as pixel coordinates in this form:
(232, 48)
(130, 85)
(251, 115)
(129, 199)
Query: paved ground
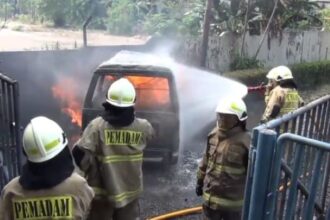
(173, 189)
(17, 37)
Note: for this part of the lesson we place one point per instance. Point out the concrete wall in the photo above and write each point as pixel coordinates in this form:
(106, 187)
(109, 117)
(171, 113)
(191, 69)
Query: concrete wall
(292, 47)
(38, 71)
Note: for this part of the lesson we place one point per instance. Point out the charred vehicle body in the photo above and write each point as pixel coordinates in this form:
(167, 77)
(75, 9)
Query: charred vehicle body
(156, 99)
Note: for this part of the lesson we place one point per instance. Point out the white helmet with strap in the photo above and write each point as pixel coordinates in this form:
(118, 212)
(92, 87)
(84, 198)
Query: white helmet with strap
(280, 73)
(43, 139)
(233, 106)
(121, 93)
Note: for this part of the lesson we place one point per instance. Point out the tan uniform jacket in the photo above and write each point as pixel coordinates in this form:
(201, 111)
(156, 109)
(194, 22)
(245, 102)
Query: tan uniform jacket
(70, 199)
(286, 98)
(223, 169)
(113, 160)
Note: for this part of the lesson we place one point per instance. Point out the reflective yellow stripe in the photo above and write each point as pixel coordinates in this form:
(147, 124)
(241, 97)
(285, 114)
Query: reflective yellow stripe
(227, 169)
(222, 201)
(125, 195)
(118, 198)
(122, 98)
(52, 144)
(230, 170)
(121, 158)
(57, 207)
(291, 102)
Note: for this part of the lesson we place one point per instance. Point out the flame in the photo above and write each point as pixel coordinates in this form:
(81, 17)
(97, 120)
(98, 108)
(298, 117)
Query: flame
(151, 91)
(66, 91)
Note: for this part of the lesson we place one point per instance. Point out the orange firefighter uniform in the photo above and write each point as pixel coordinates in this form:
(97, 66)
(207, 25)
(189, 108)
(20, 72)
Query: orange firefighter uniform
(113, 166)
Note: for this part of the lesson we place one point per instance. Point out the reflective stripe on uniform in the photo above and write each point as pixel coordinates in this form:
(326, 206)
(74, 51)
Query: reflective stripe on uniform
(121, 158)
(125, 195)
(119, 197)
(221, 201)
(227, 169)
(291, 102)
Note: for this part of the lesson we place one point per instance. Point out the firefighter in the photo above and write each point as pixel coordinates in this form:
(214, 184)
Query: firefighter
(272, 83)
(110, 152)
(222, 172)
(48, 187)
(284, 97)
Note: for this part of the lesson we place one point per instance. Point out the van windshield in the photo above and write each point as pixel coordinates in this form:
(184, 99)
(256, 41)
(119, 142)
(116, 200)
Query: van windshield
(152, 92)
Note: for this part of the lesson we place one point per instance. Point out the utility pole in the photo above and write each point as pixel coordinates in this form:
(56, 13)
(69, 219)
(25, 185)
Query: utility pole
(206, 32)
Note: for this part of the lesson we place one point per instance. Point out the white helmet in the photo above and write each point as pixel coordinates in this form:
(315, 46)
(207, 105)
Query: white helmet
(43, 139)
(280, 73)
(233, 107)
(121, 93)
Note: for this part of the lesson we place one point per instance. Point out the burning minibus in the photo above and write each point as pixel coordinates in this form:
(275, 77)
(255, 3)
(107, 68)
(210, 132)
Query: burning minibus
(156, 99)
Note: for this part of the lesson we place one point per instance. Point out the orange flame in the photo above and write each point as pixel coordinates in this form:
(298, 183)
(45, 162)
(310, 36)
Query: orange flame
(151, 91)
(66, 92)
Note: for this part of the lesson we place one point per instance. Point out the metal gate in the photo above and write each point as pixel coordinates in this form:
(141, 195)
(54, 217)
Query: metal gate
(10, 140)
(288, 176)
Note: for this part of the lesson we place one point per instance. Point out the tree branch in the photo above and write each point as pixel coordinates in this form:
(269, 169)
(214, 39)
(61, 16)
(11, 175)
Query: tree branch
(267, 29)
(245, 27)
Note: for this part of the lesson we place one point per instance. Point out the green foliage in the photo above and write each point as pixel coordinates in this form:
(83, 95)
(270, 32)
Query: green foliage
(59, 12)
(301, 14)
(191, 22)
(254, 76)
(6, 10)
(55, 11)
(307, 75)
(312, 74)
(326, 18)
(155, 17)
(164, 17)
(123, 17)
(241, 63)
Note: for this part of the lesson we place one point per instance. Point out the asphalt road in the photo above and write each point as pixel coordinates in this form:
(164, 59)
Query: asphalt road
(171, 189)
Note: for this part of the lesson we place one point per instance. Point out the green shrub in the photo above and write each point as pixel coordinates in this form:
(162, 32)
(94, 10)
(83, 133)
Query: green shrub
(306, 75)
(241, 63)
(326, 18)
(249, 77)
(18, 28)
(26, 19)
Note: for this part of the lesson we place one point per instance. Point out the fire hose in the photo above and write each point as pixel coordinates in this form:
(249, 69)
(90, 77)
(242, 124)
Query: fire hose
(182, 212)
(260, 88)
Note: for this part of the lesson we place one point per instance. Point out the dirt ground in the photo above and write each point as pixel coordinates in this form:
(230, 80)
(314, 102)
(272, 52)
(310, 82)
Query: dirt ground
(17, 37)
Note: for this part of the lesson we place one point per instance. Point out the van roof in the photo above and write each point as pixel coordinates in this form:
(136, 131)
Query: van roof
(132, 59)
